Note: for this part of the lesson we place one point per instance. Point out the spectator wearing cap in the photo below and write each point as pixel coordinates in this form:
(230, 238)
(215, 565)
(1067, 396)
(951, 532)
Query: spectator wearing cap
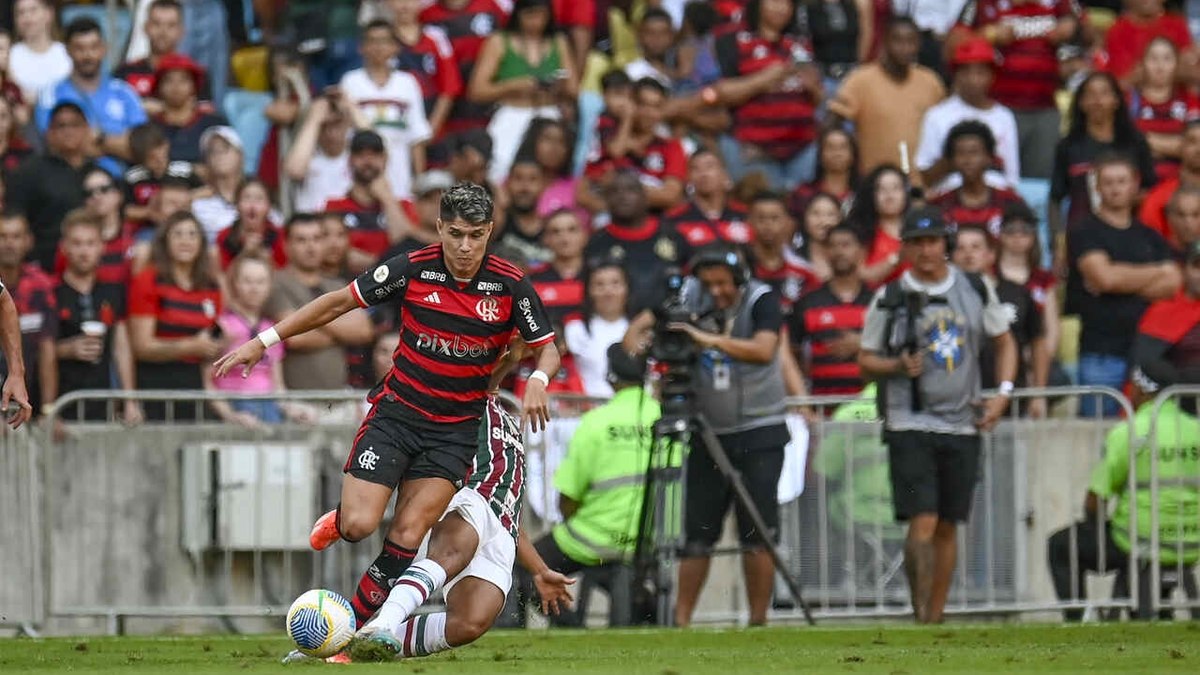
(1118, 267)
(887, 99)
(931, 383)
(426, 53)
(164, 33)
(710, 214)
(319, 159)
(974, 67)
(1154, 210)
(111, 106)
(392, 103)
(184, 118)
(225, 169)
(970, 149)
(1029, 79)
(48, 185)
(1161, 107)
(773, 90)
(1141, 23)
(375, 217)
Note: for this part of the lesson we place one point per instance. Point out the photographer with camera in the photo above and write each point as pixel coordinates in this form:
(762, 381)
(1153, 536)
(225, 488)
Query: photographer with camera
(732, 374)
(922, 341)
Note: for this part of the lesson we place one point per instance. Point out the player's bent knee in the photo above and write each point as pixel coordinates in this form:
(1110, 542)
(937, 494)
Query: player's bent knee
(465, 630)
(356, 526)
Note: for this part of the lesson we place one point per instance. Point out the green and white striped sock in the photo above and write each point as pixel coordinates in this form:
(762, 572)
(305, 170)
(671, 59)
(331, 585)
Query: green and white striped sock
(423, 635)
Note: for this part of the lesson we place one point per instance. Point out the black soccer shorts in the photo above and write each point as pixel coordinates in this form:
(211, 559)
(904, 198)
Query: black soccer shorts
(933, 473)
(391, 446)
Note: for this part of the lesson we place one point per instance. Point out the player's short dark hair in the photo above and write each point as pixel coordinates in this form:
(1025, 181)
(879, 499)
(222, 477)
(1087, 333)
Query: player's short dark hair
(615, 79)
(656, 14)
(702, 17)
(900, 21)
(969, 129)
(167, 4)
(472, 139)
(467, 201)
(753, 13)
(82, 26)
(845, 228)
(143, 138)
(298, 219)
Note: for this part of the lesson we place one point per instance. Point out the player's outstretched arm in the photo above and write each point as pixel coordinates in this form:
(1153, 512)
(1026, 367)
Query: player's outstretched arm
(536, 406)
(552, 587)
(312, 315)
(14, 392)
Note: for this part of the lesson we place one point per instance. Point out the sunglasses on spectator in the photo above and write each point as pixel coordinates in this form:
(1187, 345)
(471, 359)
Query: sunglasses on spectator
(99, 190)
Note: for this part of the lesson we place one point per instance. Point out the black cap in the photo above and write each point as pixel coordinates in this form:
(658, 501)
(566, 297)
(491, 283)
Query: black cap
(65, 104)
(622, 367)
(366, 140)
(924, 222)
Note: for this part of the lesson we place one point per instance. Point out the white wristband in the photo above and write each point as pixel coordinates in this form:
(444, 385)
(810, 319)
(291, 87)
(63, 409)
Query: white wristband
(269, 337)
(541, 377)
(1005, 388)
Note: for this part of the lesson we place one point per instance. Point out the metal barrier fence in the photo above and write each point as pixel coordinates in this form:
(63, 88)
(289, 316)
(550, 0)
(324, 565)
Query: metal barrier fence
(194, 525)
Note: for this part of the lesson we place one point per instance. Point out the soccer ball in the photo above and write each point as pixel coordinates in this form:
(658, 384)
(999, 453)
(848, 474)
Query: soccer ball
(321, 623)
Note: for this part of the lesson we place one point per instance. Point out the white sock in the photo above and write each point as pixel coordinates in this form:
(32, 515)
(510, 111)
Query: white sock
(423, 635)
(412, 589)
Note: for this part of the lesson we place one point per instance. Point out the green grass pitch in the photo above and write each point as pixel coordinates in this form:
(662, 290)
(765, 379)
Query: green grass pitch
(895, 649)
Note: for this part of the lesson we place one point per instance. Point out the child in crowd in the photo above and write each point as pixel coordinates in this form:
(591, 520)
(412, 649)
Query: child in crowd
(151, 165)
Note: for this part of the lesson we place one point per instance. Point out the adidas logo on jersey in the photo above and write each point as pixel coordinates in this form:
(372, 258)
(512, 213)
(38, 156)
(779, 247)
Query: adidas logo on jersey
(433, 298)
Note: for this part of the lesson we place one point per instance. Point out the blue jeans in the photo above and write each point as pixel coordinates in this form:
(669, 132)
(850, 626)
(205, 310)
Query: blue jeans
(267, 411)
(781, 175)
(206, 40)
(1103, 370)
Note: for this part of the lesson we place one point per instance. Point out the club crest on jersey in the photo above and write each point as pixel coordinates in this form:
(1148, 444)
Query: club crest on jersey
(655, 162)
(488, 309)
(665, 248)
(482, 24)
(381, 274)
(209, 309)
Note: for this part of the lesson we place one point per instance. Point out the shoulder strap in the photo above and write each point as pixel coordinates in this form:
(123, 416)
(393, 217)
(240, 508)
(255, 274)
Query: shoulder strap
(979, 285)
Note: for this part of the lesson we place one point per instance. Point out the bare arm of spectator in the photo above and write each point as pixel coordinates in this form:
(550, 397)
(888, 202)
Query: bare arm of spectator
(1165, 145)
(397, 223)
(116, 145)
(147, 347)
(1050, 326)
(1151, 281)
(483, 88)
(441, 112)
(735, 91)
(866, 29)
(305, 144)
(122, 355)
(419, 158)
(47, 372)
(568, 87)
(581, 44)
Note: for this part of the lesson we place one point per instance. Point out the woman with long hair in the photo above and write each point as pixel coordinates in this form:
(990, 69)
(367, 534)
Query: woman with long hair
(837, 169)
(1100, 123)
(877, 215)
(820, 216)
(252, 234)
(528, 70)
(604, 321)
(38, 60)
(1020, 261)
(1161, 106)
(173, 308)
(550, 142)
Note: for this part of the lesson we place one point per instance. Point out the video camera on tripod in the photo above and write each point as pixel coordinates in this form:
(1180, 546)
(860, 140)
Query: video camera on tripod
(674, 350)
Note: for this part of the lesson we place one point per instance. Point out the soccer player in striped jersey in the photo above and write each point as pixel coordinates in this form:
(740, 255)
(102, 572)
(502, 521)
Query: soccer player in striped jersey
(469, 554)
(460, 307)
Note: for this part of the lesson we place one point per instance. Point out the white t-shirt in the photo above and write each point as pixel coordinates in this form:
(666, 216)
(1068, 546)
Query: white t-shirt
(941, 118)
(33, 72)
(397, 111)
(327, 178)
(591, 350)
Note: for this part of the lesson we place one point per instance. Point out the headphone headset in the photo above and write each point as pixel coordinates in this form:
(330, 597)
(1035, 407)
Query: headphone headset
(724, 256)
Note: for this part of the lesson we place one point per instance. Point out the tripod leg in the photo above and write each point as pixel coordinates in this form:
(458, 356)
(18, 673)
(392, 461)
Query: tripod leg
(719, 457)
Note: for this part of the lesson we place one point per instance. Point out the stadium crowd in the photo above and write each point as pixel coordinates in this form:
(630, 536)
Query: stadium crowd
(172, 190)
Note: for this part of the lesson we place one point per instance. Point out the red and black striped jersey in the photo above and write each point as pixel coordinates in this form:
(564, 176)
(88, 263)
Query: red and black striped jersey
(819, 318)
(177, 312)
(562, 297)
(115, 263)
(498, 472)
(452, 333)
(1168, 117)
(431, 61)
(661, 159)
(466, 28)
(986, 217)
(1029, 76)
(791, 280)
(781, 122)
(698, 230)
(366, 223)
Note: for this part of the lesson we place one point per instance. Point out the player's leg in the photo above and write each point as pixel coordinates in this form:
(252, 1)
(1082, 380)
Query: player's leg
(452, 544)
(707, 500)
(958, 470)
(915, 499)
(760, 469)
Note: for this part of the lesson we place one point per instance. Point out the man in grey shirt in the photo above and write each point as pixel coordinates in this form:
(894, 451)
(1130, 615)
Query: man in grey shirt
(921, 342)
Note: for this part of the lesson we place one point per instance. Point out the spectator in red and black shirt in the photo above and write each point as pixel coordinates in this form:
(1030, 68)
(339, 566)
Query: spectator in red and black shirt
(1027, 34)
(173, 308)
(1140, 23)
(467, 24)
(827, 323)
(970, 150)
(375, 217)
(151, 154)
(637, 239)
(102, 204)
(427, 53)
(93, 340)
(184, 118)
(1161, 107)
(1020, 261)
(837, 169)
(774, 90)
(252, 234)
(642, 144)
(710, 215)
(13, 148)
(559, 282)
(877, 216)
(32, 291)
(774, 261)
(164, 31)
